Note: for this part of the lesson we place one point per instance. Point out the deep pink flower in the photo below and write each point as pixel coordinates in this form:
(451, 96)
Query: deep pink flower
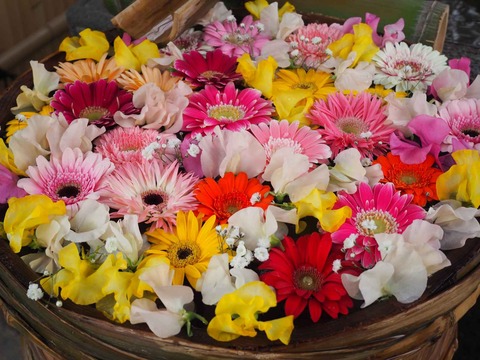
(230, 109)
(236, 39)
(375, 210)
(8, 185)
(215, 69)
(96, 101)
(357, 121)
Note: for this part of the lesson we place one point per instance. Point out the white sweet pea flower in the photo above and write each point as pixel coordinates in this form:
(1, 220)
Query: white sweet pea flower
(218, 280)
(459, 223)
(359, 78)
(44, 82)
(89, 223)
(162, 322)
(218, 12)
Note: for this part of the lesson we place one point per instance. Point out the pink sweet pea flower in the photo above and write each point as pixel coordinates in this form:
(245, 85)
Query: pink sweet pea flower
(8, 185)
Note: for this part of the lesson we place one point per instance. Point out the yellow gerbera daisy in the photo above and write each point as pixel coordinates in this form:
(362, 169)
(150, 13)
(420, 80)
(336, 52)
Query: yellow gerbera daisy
(132, 80)
(88, 70)
(188, 248)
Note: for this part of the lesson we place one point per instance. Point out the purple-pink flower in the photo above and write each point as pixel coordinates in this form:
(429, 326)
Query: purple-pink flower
(8, 185)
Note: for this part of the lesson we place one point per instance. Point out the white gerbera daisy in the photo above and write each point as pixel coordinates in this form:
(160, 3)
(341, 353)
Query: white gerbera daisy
(407, 68)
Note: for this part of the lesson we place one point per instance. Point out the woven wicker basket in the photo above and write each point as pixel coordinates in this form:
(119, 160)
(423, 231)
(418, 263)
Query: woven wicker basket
(426, 329)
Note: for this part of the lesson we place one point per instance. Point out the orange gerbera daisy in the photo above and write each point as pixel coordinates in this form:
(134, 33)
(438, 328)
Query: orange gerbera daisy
(230, 194)
(88, 70)
(416, 179)
(131, 79)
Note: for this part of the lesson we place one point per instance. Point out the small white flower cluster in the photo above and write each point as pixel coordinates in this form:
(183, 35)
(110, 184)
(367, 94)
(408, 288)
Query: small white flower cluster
(34, 292)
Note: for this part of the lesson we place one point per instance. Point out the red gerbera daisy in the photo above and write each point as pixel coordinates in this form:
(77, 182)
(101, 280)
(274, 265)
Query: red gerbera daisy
(96, 101)
(215, 68)
(230, 194)
(303, 275)
(418, 180)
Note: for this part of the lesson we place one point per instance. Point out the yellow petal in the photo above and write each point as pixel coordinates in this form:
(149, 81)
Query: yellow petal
(280, 329)
(223, 328)
(256, 7)
(259, 76)
(91, 44)
(145, 50)
(6, 159)
(124, 56)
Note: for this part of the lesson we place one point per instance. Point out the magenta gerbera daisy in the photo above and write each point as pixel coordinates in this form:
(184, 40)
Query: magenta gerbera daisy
(135, 144)
(152, 191)
(376, 210)
(97, 101)
(231, 109)
(279, 134)
(236, 39)
(215, 68)
(72, 178)
(463, 118)
(357, 121)
(309, 44)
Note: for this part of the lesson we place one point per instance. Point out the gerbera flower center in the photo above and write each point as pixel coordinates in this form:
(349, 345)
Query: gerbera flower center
(228, 204)
(226, 112)
(375, 221)
(93, 113)
(306, 86)
(237, 38)
(408, 178)
(209, 74)
(153, 198)
(274, 144)
(70, 190)
(307, 278)
(183, 254)
(352, 125)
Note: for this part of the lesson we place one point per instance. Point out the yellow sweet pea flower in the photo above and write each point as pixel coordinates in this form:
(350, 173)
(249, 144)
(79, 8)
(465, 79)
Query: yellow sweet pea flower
(25, 214)
(256, 7)
(360, 42)
(134, 56)
(259, 76)
(319, 204)
(91, 44)
(236, 315)
(462, 181)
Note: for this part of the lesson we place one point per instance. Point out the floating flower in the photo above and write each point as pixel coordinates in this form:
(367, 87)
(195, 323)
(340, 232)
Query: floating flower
(418, 180)
(303, 140)
(215, 68)
(302, 275)
(352, 121)
(90, 44)
(407, 68)
(236, 314)
(132, 55)
(97, 101)
(374, 210)
(151, 191)
(133, 80)
(89, 70)
(309, 44)
(72, 178)
(236, 39)
(461, 181)
(230, 109)
(258, 75)
(133, 144)
(188, 247)
(229, 194)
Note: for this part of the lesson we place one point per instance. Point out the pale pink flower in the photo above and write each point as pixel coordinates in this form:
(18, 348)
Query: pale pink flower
(463, 118)
(236, 39)
(231, 109)
(357, 121)
(303, 140)
(159, 109)
(153, 192)
(132, 144)
(308, 45)
(72, 178)
(374, 210)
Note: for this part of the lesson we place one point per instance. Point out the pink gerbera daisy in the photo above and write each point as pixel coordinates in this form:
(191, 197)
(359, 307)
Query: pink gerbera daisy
(215, 69)
(357, 121)
(309, 44)
(463, 118)
(152, 191)
(236, 39)
(231, 109)
(135, 144)
(375, 210)
(72, 178)
(96, 101)
(279, 134)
